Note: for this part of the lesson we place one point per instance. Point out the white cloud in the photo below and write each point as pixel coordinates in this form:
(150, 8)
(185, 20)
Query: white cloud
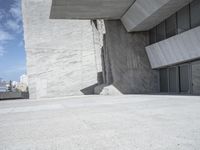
(2, 51)
(14, 26)
(2, 14)
(10, 21)
(5, 36)
(15, 10)
(15, 20)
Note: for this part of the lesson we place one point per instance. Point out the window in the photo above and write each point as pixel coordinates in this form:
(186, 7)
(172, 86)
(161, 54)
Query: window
(163, 80)
(183, 19)
(184, 78)
(195, 15)
(153, 36)
(186, 18)
(171, 26)
(160, 33)
(173, 80)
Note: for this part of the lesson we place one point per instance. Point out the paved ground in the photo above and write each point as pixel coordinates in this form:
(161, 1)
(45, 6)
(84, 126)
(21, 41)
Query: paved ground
(101, 123)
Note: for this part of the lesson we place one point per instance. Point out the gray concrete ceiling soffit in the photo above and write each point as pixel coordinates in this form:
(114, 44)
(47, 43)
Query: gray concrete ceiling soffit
(136, 15)
(89, 9)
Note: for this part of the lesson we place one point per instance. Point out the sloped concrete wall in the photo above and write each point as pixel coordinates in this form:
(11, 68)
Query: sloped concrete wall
(177, 49)
(145, 14)
(130, 67)
(60, 53)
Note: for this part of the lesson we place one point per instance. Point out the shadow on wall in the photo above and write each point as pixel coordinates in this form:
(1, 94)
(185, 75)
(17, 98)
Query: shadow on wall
(89, 90)
(125, 65)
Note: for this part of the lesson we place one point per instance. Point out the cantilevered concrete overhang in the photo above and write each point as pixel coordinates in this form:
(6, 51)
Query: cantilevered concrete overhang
(89, 9)
(136, 15)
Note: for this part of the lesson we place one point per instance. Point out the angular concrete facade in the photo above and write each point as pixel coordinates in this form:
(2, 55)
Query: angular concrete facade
(176, 49)
(60, 54)
(89, 9)
(139, 47)
(136, 15)
(129, 65)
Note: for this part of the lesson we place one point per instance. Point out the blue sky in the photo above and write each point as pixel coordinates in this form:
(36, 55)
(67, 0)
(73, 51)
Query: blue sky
(12, 53)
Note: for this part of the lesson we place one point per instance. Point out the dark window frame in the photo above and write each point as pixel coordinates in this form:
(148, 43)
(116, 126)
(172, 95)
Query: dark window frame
(150, 35)
(198, 24)
(166, 33)
(161, 39)
(189, 19)
(177, 32)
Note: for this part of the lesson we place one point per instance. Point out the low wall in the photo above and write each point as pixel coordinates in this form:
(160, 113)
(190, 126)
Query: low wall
(13, 95)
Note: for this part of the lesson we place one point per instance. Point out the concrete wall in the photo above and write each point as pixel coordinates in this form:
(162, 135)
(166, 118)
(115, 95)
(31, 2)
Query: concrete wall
(60, 53)
(64, 56)
(89, 9)
(177, 49)
(129, 65)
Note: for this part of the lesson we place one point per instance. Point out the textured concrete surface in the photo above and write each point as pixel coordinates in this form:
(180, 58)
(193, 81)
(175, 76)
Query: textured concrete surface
(101, 123)
(129, 64)
(98, 28)
(89, 9)
(143, 14)
(140, 15)
(177, 49)
(60, 53)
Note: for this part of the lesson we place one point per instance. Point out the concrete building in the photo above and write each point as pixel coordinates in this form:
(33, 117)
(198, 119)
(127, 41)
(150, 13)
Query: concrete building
(3, 87)
(24, 79)
(22, 85)
(140, 47)
(60, 53)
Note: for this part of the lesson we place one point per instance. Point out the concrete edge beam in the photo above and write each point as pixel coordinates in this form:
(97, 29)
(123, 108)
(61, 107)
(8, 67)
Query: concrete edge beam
(177, 49)
(89, 9)
(144, 15)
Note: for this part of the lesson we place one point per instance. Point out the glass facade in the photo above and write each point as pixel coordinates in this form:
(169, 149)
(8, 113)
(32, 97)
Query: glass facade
(171, 26)
(184, 78)
(183, 20)
(153, 36)
(164, 80)
(175, 79)
(160, 32)
(195, 13)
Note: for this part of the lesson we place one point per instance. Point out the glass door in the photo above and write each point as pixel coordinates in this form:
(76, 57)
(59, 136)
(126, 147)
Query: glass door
(173, 80)
(184, 78)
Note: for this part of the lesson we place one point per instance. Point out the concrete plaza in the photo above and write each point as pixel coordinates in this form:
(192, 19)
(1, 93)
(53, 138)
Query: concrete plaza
(138, 122)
